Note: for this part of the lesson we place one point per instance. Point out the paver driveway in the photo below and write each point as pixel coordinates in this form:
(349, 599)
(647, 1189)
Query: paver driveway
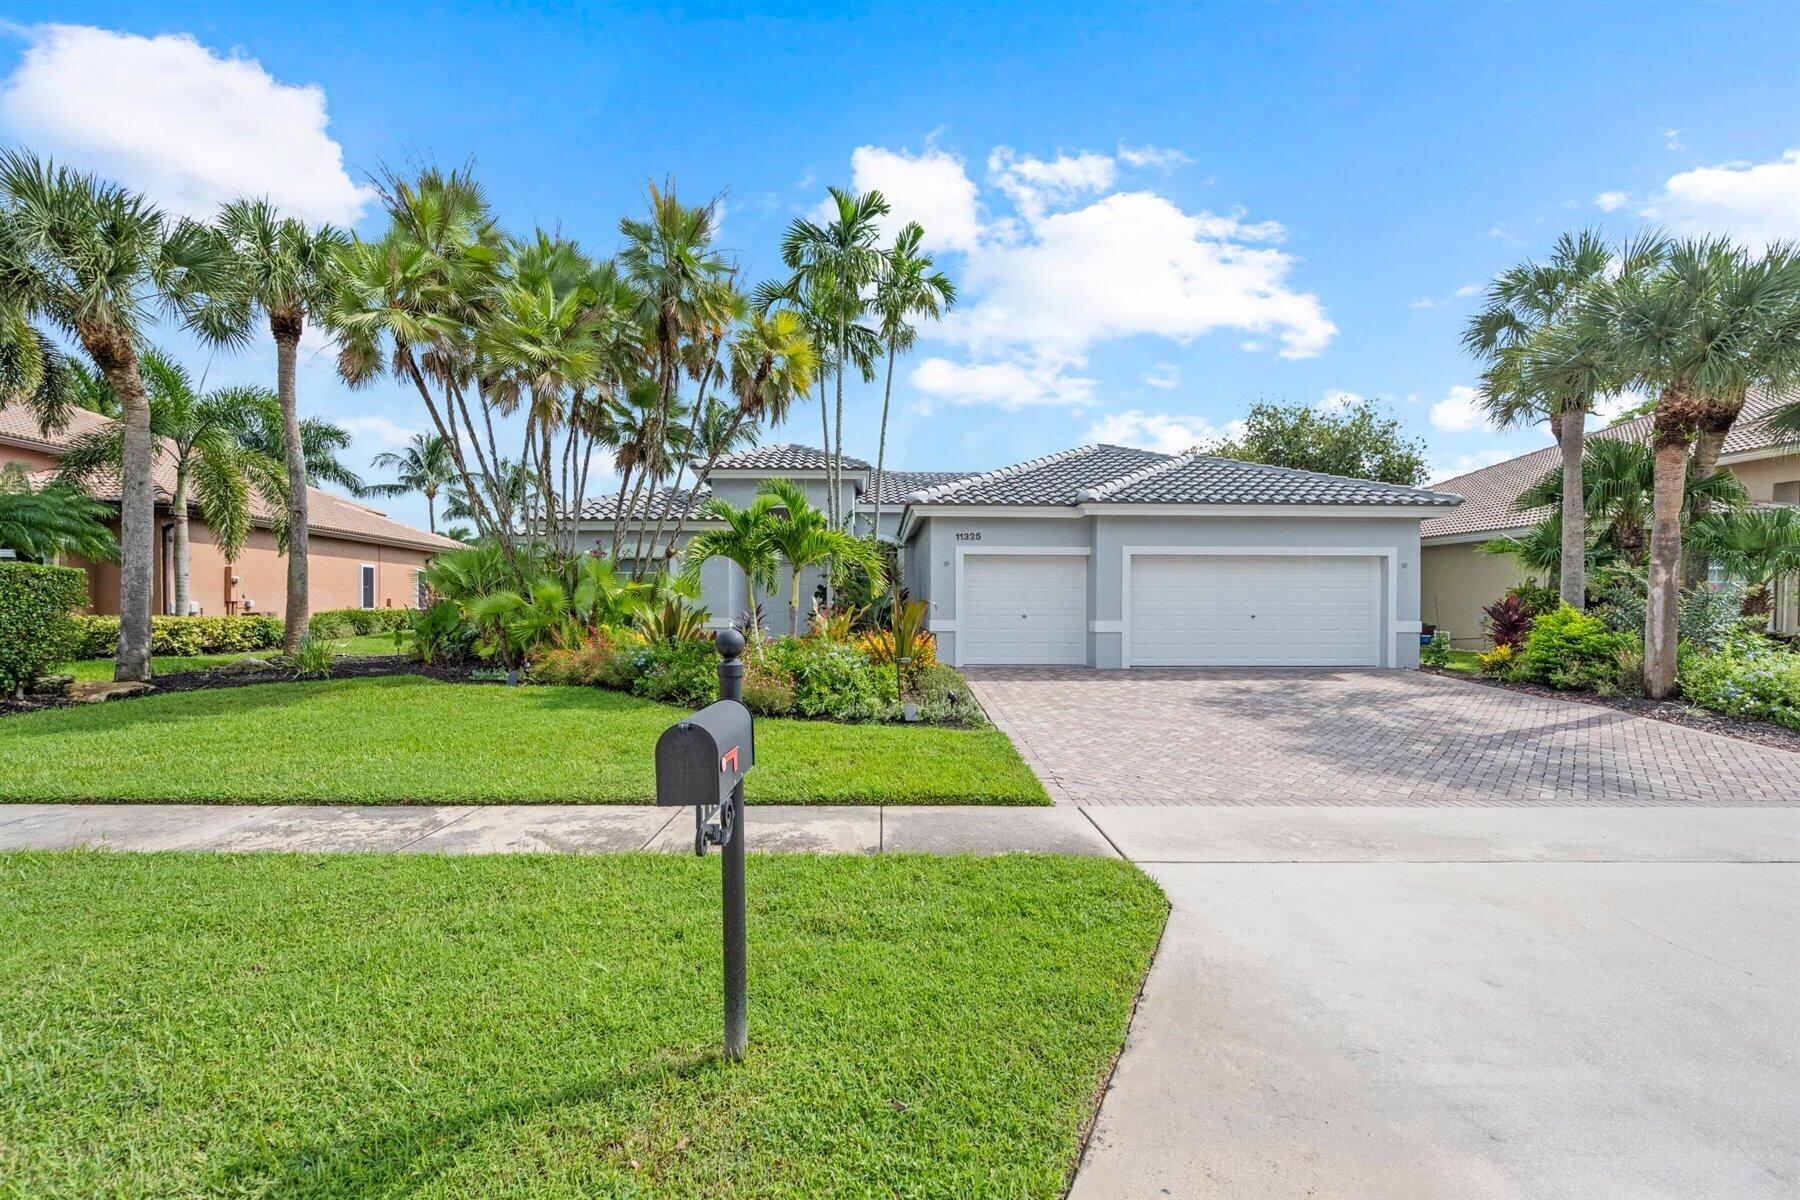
(1227, 736)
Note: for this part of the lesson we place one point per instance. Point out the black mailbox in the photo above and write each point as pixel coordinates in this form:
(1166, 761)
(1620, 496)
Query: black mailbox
(699, 760)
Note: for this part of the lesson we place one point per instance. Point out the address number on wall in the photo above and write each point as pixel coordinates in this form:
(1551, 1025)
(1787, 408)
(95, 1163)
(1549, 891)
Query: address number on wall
(968, 537)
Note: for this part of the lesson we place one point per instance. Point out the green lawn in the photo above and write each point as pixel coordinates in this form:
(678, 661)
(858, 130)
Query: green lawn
(1463, 660)
(351, 1026)
(405, 739)
(170, 664)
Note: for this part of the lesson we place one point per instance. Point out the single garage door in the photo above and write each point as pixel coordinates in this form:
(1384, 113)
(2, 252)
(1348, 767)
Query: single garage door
(1202, 610)
(1023, 609)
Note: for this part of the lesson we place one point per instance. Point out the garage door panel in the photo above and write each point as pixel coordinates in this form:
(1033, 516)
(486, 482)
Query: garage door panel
(1254, 610)
(1023, 610)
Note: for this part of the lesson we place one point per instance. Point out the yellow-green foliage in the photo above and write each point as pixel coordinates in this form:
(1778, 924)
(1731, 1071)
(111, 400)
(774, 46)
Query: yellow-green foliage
(98, 637)
(36, 628)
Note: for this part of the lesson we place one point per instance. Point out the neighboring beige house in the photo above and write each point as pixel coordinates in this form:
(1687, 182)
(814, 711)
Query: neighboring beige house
(358, 557)
(1457, 581)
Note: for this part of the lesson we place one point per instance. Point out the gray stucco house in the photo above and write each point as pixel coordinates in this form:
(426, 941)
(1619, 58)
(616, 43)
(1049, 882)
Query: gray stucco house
(1108, 556)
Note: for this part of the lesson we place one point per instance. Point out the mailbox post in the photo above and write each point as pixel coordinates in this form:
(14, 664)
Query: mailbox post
(701, 761)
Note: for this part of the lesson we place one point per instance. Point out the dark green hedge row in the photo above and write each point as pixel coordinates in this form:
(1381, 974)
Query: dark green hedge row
(98, 637)
(36, 622)
(341, 622)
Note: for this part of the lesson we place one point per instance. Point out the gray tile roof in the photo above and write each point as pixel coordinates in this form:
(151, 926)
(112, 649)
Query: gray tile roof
(646, 508)
(896, 486)
(1053, 479)
(1204, 479)
(786, 457)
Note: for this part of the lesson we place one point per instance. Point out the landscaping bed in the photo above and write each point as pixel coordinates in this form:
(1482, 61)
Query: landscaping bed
(349, 1026)
(403, 739)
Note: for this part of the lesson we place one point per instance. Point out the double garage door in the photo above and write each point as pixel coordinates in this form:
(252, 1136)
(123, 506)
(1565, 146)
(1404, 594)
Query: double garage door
(1192, 610)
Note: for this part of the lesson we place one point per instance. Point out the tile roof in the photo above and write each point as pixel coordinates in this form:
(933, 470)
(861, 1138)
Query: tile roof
(1491, 494)
(1053, 479)
(896, 486)
(646, 508)
(327, 513)
(786, 457)
(1205, 479)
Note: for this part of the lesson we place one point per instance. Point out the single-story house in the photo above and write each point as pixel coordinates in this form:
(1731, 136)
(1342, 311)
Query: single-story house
(1458, 581)
(1109, 556)
(358, 557)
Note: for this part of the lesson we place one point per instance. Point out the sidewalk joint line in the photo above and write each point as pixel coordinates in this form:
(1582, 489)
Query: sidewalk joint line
(1083, 810)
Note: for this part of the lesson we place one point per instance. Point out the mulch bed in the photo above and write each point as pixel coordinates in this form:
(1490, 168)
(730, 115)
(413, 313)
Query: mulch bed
(1673, 711)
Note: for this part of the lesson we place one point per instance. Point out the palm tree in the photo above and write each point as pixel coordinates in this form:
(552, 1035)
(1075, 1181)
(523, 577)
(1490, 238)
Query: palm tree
(199, 435)
(288, 272)
(834, 263)
(45, 523)
(1619, 478)
(803, 536)
(743, 540)
(1754, 545)
(321, 444)
(424, 467)
(907, 287)
(91, 259)
(1689, 333)
(1770, 348)
(1534, 371)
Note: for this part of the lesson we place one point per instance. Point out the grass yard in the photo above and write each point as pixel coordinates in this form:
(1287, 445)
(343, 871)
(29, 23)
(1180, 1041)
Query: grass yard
(170, 664)
(405, 739)
(351, 1026)
(1463, 660)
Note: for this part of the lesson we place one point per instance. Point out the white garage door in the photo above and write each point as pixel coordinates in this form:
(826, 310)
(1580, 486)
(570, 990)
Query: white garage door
(1202, 610)
(1022, 609)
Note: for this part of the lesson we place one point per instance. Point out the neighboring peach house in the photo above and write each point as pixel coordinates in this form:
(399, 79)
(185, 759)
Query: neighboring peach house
(358, 557)
(1457, 581)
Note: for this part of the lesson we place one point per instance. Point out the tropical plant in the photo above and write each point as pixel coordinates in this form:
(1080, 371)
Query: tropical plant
(45, 523)
(424, 467)
(906, 287)
(741, 539)
(1436, 652)
(200, 435)
(322, 446)
(1763, 684)
(1570, 649)
(803, 537)
(313, 658)
(673, 617)
(288, 273)
(435, 634)
(1755, 546)
(1508, 621)
(836, 624)
(91, 260)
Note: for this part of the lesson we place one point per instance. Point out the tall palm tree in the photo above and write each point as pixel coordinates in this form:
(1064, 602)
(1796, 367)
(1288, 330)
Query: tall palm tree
(1686, 332)
(91, 259)
(45, 523)
(200, 436)
(289, 273)
(908, 287)
(424, 467)
(1770, 348)
(803, 536)
(743, 539)
(1536, 371)
(836, 262)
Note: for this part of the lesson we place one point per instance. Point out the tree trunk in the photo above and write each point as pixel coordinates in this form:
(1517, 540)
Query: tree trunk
(1710, 442)
(825, 441)
(183, 563)
(1574, 511)
(793, 600)
(837, 455)
(287, 326)
(887, 394)
(112, 352)
(431, 509)
(1676, 420)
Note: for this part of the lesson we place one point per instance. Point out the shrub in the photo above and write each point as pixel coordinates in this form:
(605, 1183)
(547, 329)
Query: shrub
(36, 626)
(1570, 650)
(830, 679)
(878, 647)
(1436, 652)
(342, 622)
(1534, 598)
(835, 624)
(98, 637)
(313, 658)
(1710, 613)
(434, 634)
(943, 695)
(768, 693)
(1498, 661)
(1763, 685)
(1508, 621)
(677, 671)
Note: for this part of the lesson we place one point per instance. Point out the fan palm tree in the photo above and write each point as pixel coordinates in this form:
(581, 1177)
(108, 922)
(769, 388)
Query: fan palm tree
(803, 536)
(1770, 348)
(1537, 369)
(199, 435)
(424, 467)
(322, 445)
(288, 272)
(908, 287)
(744, 540)
(1756, 546)
(1687, 332)
(1619, 476)
(91, 260)
(45, 523)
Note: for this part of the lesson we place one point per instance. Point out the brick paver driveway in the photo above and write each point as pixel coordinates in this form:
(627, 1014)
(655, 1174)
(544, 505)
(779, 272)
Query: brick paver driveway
(1226, 736)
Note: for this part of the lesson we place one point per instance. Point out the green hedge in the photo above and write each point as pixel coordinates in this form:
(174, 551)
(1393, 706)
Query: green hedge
(98, 637)
(341, 622)
(1764, 685)
(36, 625)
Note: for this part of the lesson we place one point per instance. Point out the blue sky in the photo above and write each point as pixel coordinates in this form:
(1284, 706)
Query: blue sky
(1157, 214)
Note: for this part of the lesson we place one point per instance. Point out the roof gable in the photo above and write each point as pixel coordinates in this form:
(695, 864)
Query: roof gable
(1206, 479)
(788, 456)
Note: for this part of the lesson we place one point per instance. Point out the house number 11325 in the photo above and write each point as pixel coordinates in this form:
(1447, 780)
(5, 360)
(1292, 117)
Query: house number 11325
(968, 537)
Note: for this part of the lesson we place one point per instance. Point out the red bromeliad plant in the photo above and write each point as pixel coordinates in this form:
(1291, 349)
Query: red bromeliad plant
(1509, 620)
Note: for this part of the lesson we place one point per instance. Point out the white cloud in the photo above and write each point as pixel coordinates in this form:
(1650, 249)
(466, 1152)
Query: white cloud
(1607, 409)
(1034, 184)
(166, 116)
(1338, 400)
(1459, 412)
(1672, 139)
(389, 435)
(1753, 202)
(1423, 302)
(1152, 156)
(1163, 375)
(1010, 384)
(1465, 463)
(1160, 431)
(1470, 289)
(930, 187)
(1610, 201)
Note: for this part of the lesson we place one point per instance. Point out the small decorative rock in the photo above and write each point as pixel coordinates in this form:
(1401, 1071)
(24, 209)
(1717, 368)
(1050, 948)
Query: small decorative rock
(52, 685)
(245, 666)
(95, 691)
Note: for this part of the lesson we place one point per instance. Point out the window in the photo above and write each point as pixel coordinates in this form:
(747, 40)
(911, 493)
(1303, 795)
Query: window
(368, 585)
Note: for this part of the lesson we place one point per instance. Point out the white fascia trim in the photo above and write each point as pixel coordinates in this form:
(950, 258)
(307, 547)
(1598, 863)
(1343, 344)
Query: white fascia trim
(962, 552)
(1780, 450)
(1463, 539)
(1384, 655)
(1365, 511)
(912, 514)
